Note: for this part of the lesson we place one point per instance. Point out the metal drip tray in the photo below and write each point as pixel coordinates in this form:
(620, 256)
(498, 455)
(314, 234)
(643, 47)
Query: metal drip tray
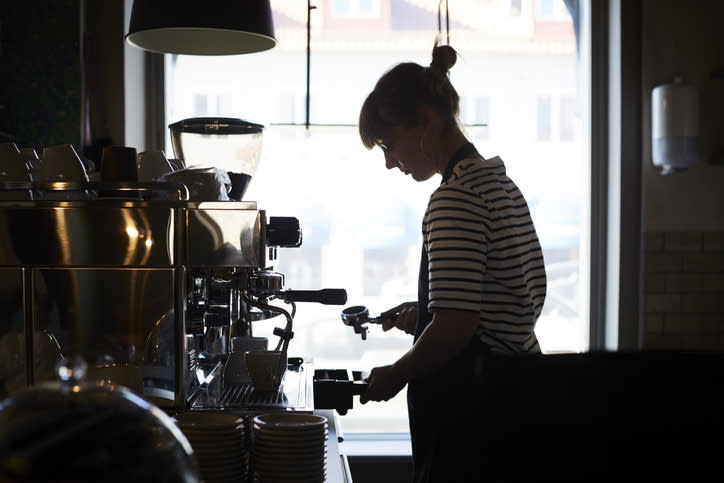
(244, 396)
(295, 393)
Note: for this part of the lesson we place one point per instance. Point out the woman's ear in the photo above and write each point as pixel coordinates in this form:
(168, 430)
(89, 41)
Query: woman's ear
(425, 114)
(429, 117)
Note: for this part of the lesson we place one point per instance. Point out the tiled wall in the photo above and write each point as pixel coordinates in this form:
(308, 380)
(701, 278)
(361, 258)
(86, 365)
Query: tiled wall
(40, 84)
(683, 291)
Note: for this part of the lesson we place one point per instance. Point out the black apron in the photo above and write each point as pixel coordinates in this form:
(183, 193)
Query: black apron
(440, 405)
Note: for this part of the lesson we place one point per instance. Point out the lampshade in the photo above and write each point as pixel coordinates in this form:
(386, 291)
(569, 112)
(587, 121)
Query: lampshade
(209, 27)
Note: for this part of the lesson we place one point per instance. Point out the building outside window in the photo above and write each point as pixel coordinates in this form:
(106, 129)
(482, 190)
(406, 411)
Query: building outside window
(544, 117)
(360, 221)
(355, 8)
(567, 118)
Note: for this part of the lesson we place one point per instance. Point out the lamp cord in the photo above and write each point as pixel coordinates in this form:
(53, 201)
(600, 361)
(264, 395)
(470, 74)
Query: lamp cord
(447, 20)
(310, 7)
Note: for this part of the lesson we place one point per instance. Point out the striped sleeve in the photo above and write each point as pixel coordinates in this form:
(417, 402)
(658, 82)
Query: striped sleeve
(456, 234)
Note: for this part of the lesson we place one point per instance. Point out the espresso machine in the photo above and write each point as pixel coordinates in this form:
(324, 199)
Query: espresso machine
(156, 290)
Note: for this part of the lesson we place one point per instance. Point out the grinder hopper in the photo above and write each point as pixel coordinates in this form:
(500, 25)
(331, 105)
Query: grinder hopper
(229, 144)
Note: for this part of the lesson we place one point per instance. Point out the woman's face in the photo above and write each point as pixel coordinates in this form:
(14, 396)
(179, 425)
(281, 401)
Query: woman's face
(403, 148)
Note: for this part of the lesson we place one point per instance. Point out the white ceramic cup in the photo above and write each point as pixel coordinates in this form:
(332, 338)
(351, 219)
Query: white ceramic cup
(152, 165)
(32, 161)
(177, 164)
(31, 157)
(62, 163)
(266, 369)
(12, 165)
(235, 370)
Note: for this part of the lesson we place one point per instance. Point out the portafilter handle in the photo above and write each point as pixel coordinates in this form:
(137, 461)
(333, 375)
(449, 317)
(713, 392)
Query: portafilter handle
(267, 283)
(326, 296)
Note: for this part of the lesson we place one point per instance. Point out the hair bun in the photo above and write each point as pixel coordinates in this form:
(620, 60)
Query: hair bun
(443, 58)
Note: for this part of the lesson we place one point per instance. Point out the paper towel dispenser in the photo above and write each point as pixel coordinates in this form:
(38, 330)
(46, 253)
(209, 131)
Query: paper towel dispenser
(675, 143)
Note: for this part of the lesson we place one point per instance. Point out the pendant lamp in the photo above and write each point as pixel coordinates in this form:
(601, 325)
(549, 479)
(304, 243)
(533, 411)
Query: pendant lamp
(210, 27)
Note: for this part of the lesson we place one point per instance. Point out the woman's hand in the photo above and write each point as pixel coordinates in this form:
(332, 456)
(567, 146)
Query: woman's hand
(404, 317)
(384, 383)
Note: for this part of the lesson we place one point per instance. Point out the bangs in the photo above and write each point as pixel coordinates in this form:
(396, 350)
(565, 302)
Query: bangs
(372, 128)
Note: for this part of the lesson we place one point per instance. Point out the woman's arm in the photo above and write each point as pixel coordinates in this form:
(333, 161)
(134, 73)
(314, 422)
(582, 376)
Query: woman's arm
(447, 335)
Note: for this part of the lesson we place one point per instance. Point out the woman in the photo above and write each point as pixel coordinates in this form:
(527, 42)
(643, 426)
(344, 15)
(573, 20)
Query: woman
(482, 278)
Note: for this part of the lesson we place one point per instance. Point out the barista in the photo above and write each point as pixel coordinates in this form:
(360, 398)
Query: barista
(482, 278)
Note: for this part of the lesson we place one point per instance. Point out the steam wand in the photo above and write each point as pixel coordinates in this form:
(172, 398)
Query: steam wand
(284, 334)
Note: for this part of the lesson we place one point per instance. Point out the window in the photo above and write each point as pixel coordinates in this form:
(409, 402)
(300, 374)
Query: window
(355, 8)
(211, 104)
(201, 102)
(568, 118)
(544, 113)
(545, 8)
(361, 222)
(552, 10)
(476, 112)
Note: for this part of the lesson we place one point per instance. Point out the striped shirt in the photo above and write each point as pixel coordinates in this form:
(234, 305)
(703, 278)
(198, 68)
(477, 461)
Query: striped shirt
(484, 254)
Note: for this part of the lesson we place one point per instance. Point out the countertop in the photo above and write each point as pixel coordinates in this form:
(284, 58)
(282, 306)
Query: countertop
(337, 464)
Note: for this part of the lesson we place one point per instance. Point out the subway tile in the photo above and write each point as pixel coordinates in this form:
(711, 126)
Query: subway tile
(694, 282)
(684, 342)
(653, 240)
(653, 341)
(662, 342)
(712, 282)
(662, 303)
(684, 241)
(701, 262)
(681, 323)
(692, 342)
(683, 282)
(704, 342)
(710, 302)
(713, 241)
(654, 282)
(712, 323)
(658, 262)
(653, 323)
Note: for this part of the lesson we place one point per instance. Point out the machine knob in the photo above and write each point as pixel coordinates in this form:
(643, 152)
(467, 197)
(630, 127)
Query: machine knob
(266, 283)
(283, 231)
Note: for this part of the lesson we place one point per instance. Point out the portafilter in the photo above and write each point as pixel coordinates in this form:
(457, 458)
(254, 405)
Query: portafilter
(357, 315)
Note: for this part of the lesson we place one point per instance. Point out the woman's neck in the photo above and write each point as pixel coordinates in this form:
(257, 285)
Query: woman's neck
(450, 141)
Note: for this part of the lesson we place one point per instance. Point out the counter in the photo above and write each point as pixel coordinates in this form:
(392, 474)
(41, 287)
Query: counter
(337, 464)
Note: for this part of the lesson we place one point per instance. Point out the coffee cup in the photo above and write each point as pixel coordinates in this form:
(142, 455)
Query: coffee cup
(32, 161)
(152, 165)
(12, 165)
(266, 369)
(62, 163)
(235, 370)
(119, 164)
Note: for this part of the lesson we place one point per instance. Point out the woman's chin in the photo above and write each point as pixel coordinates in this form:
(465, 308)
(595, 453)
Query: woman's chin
(417, 176)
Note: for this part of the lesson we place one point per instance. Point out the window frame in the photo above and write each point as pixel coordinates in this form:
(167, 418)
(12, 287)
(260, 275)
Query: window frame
(614, 103)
